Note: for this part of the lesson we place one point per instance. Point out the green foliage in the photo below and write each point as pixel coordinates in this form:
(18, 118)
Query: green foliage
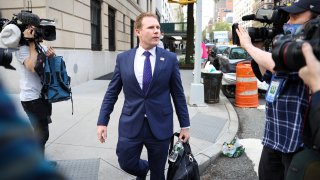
(211, 34)
(182, 60)
(222, 26)
(204, 34)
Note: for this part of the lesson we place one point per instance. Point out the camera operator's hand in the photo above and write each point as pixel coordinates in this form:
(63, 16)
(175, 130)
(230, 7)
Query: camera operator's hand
(311, 72)
(50, 52)
(261, 57)
(245, 40)
(29, 32)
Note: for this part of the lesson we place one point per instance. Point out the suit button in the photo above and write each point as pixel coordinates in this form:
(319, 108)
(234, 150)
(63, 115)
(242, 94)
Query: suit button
(145, 115)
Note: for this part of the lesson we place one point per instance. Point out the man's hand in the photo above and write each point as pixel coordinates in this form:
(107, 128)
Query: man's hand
(29, 32)
(310, 73)
(184, 134)
(102, 133)
(50, 52)
(244, 37)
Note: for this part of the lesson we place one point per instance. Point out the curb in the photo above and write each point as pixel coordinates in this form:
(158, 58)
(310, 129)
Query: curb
(208, 155)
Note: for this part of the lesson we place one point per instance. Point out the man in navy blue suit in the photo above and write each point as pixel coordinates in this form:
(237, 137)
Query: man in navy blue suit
(149, 77)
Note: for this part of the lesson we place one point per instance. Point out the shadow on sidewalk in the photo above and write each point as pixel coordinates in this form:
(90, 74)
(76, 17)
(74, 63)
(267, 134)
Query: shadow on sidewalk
(105, 77)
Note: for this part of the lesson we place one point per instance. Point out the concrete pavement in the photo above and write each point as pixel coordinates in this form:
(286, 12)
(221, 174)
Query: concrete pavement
(73, 141)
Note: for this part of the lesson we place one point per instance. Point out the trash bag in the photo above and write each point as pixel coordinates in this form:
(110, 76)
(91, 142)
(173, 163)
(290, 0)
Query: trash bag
(232, 149)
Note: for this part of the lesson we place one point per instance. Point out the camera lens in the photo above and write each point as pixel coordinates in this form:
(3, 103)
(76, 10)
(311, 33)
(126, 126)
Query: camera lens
(293, 56)
(6, 58)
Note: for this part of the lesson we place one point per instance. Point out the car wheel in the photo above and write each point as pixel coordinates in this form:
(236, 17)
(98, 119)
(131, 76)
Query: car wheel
(229, 90)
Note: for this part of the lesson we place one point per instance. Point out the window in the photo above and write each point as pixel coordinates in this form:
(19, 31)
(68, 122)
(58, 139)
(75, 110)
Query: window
(159, 15)
(132, 34)
(96, 25)
(124, 23)
(112, 28)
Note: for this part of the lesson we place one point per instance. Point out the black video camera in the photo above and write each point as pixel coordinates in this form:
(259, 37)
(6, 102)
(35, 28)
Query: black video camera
(273, 19)
(45, 28)
(287, 52)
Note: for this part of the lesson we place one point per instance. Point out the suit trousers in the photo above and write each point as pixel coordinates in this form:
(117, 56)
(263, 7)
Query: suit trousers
(129, 152)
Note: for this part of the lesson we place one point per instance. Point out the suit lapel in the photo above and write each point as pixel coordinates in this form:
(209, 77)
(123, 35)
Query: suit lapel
(131, 56)
(160, 60)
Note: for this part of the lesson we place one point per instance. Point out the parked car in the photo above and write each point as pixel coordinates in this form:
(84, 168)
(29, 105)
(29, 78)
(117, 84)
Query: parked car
(230, 57)
(219, 49)
(227, 62)
(215, 51)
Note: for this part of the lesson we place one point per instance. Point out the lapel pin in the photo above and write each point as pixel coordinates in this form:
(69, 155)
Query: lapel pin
(161, 58)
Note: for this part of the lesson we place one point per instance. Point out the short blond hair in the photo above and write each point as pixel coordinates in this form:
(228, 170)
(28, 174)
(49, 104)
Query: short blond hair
(138, 23)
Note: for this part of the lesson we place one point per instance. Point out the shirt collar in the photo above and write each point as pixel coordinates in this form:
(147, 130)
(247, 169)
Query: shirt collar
(140, 51)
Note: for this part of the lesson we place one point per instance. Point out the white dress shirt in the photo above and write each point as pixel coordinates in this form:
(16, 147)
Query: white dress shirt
(139, 63)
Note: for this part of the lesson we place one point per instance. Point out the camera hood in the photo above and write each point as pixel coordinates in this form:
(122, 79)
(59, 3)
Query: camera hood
(266, 15)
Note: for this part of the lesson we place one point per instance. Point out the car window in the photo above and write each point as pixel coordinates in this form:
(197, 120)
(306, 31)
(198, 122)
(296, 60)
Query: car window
(238, 53)
(221, 49)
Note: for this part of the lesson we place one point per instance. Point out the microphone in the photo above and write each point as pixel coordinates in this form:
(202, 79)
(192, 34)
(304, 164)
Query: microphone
(28, 18)
(249, 17)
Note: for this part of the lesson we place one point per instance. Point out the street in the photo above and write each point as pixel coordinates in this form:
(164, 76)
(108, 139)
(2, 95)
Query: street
(245, 167)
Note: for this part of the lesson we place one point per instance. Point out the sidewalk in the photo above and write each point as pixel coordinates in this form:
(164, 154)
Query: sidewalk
(73, 141)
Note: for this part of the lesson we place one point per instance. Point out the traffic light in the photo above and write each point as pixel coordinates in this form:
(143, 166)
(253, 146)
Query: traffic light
(183, 2)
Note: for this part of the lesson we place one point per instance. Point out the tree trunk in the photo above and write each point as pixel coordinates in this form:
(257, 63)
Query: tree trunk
(190, 34)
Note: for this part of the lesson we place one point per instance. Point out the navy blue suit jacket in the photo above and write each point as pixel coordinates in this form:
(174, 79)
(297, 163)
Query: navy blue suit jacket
(156, 104)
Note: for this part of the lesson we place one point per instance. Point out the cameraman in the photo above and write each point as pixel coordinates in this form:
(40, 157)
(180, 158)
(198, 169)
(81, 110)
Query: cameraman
(305, 164)
(287, 104)
(34, 104)
(310, 73)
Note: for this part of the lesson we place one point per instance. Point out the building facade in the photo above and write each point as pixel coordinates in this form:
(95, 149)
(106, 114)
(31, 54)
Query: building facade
(240, 9)
(90, 33)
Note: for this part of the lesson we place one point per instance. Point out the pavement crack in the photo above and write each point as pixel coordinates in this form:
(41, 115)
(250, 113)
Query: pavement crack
(112, 165)
(82, 146)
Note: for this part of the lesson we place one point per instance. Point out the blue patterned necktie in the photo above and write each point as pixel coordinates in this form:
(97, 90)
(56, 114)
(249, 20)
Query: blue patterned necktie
(147, 72)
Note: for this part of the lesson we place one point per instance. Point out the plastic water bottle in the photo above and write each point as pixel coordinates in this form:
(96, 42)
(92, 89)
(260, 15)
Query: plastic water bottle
(176, 150)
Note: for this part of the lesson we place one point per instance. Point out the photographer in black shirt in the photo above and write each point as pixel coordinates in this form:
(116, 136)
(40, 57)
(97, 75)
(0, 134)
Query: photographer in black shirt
(310, 74)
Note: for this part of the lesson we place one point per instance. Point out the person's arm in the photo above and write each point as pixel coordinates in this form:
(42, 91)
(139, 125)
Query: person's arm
(31, 60)
(261, 57)
(50, 52)
(310, 73)
(180, 103)
(110, 98)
